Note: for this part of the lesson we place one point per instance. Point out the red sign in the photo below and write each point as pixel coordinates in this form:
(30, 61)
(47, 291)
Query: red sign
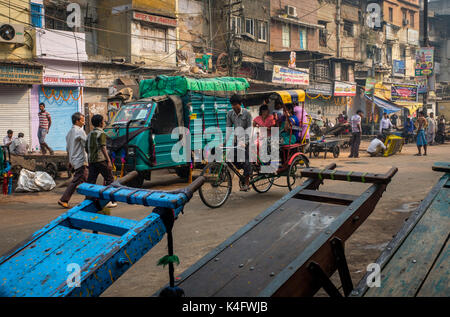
(154, 19)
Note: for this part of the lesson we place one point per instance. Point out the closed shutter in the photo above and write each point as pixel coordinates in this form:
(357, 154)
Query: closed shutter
(15, 111)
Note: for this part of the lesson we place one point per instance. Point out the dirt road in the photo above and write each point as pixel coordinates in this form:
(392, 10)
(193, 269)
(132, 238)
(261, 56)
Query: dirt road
(200, 229)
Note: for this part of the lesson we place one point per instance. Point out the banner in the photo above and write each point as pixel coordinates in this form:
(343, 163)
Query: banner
(424, 61)
(344, 89)
(404, 92)
(370, 86)
(315, 88)
(284, 75)
(421, 82)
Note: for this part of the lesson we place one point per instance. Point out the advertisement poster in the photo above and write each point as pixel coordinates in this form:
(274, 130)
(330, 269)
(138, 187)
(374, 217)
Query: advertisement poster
(404, 92)
(292, 60)
(370, 86)
(284, 75)
(343, 89)
(399, 67)
(424, 61)
(421, 83)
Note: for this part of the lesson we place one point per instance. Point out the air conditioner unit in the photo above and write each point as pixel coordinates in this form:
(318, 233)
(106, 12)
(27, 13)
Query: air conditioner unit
(405, 22)
(291, 11)
(12, 33)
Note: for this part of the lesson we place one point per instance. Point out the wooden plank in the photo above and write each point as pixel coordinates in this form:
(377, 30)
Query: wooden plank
(325, 197)
(397, 241)
(408, 268)
(245, 268)
(101, 223)
(437, 283)
(441, 167)
(350, 175)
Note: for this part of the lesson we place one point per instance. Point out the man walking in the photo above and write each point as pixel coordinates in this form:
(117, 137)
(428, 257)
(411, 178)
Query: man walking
(431, 129)
(239, 117)
(99, 161)
(356, 133)
(76, 141)
(45, 122)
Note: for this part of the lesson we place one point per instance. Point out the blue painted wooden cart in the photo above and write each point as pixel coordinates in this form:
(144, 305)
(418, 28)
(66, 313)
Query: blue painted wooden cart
(417, 261)
(102, 246)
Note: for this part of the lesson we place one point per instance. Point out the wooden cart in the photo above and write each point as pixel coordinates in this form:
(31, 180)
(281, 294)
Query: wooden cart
(293, 247)
(52, 164)
(417, 261)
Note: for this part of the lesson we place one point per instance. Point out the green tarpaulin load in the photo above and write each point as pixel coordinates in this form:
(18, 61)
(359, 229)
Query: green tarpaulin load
(180, 85)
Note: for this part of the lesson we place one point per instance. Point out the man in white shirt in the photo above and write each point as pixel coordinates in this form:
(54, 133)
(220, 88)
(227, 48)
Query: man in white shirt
(376, 147)
(7, 140)
(356, 133)
(385, 124)
(76, 140)
(431, 129)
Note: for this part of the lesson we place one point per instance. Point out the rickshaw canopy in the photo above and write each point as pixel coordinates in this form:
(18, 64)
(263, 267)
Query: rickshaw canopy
(291, 96)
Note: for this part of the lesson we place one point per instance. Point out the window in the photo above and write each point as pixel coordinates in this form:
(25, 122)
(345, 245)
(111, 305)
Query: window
(56, 17)
(36, 14)
(250, 26)
(389, 54)
(286, 35)
(403, 53)
(236, 25)
(154, 39)
(348, 28)
(323, 34)
(344, 72)
(321, 71)
(404, 18)
(411, 18)
(391, 15)
(263, 31)
(165, 118)
(303, 38)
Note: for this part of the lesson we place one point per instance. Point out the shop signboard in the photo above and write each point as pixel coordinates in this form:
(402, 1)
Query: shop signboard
(285, 75)
(63, 81)
(20, 74)
(344, 89)
(315, 88)
(424, 61)
(370, 86)
(404, 92)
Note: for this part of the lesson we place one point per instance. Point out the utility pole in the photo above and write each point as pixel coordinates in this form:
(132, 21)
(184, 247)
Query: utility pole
(231, 36)
(338, 28)
(426, 43)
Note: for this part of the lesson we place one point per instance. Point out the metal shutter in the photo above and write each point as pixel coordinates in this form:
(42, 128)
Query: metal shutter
(15, 111)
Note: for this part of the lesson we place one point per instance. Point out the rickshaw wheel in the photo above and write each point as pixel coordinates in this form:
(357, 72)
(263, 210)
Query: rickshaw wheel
(294, 173)
(336, 152)
(262, 185)
(217, 187)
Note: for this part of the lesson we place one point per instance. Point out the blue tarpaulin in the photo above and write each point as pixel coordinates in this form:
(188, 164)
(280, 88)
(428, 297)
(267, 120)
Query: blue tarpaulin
(388, 107)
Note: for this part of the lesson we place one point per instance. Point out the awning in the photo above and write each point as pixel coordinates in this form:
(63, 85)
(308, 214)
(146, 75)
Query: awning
(411, 106)
(291, 96)
(388, 107)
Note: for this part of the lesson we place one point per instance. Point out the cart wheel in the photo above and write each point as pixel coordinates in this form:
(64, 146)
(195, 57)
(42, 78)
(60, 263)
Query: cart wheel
(261, 183)
(336, 152)
(294, 174)
(217, 187)
(52, 170)
(316, 153)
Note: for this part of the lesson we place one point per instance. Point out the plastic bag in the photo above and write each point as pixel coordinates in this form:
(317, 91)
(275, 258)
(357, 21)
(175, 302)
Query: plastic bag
(34, 181)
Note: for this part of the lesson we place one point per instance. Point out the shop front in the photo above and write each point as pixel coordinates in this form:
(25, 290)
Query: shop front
(15, 82)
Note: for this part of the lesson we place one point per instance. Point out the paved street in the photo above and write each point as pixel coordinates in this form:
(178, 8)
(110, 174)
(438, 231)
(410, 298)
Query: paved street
(201, 229)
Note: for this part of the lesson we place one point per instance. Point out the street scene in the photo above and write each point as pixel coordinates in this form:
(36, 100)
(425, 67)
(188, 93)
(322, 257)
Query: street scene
(231, 149)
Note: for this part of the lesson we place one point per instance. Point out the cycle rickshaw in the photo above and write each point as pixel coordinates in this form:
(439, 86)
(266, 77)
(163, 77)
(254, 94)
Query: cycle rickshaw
(218, 178)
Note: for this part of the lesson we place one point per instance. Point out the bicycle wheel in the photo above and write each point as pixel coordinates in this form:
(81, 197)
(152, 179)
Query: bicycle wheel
(261, 183)
(294, 173)
(217, 187)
